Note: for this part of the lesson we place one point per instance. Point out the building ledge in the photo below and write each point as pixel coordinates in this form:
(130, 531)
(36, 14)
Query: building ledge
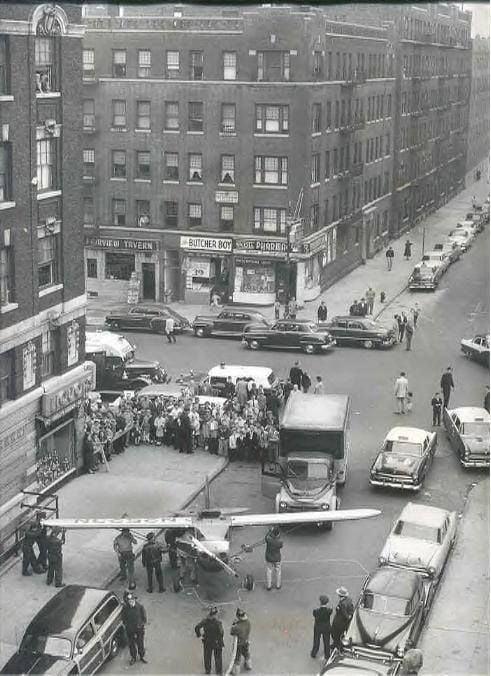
(47, 95)
(142, 131)
(6, 97)
(260, 134)
(168, 181)
(48, 194)
(7, 205)
(8, 308)
(270, 187)
(50, 289)
(171, 131)
(142, 180)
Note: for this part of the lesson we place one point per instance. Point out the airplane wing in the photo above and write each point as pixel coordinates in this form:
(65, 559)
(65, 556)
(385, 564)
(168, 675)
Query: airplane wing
(302, 517)
(133, 524)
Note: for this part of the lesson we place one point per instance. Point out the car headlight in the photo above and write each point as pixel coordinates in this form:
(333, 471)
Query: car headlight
(467, 451)
(400, 651)
(382, 560)
(324, 505)
(431, 571)
(282, 505)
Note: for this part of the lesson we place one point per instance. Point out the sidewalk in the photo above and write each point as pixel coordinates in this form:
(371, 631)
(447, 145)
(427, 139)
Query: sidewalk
(456, 638)
(144, 481)
(374, 273)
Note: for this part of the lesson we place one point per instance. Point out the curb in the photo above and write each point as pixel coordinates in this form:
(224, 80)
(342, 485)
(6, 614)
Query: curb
(389, 302)
(110, 578)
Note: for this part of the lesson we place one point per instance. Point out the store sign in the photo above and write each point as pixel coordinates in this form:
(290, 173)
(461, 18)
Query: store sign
(69, 392)
(206, 243)
(200, 268)
(15, 434)
(317, 244)
(227, 197)
(277, 247)
(121, 244)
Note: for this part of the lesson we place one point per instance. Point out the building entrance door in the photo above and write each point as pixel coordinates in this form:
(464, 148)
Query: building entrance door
(148, 275)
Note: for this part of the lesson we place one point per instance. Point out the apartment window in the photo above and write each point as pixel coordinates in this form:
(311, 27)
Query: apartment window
(195, 219)
(335, 208)
(315, 168)
(143, 114)
(48, 256)
(47, 353)
(171, 166)
(88, 62)
(195, 167)
(89, 162)
(271, 170)
(196, 66)
(119, 212)
(88, 211)
(326, 212)
(327, 167)
(329, 65)
(273, 66)
(227, 124)
(142, 213)
(92, 268)
(172, 65)
(335, 165)
(119, 114)
(46, 164)
(314, 216)
(328, 115)
(336, 115)
(170, 214)
(118, 164)
(227, 169)
(230, 65)
(226, 218)
(387, 144)
(7, 378)
(28, 365)
(271, 119)
(171, 121)
(5, 172)
(119, 265)
(7, 277)
(4, 66)
(119, 62)
(144, 63)
(317, 68)
(316, 118)
(389, 105)
(44, 58)
(143, 164)
(88, 112)
(270, 219)
(195, 116)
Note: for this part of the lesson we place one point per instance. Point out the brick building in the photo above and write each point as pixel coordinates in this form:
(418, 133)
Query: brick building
(478, 142)
(42, 298)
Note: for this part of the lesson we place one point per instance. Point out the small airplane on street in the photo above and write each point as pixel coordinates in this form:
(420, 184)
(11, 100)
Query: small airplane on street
(204, 536)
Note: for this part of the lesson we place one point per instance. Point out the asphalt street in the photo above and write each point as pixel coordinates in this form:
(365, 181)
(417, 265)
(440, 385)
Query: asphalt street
(317, 562)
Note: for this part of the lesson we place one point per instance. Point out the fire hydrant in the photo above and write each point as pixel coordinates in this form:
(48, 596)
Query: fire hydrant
(382, 296)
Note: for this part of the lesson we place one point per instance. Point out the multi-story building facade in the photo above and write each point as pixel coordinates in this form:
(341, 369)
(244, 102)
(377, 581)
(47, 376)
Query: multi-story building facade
(478, 141)
(42, 298)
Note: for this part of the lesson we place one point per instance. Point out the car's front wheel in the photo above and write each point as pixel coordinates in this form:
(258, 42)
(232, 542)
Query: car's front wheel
(368, 344)
(309, 348)
(253, 344)
(200, 332)
(115, 646)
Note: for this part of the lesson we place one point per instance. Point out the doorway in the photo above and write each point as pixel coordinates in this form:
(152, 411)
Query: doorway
(148, 275)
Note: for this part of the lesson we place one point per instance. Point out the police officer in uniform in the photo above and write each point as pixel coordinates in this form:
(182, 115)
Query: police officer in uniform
(241, 627)
(210, 630)
(152, 561)
(28, 556)
(42, 542)
(134, 620)
(55, 557)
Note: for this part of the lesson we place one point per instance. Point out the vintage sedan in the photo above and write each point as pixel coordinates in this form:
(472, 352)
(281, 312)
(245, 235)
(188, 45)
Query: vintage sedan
(356, 663)
(229, 322)
(146, 316)
(476, 348)
(462, 236)
(436, 259)
(300, 334)
(349, 330)
(75, 632)
(451, 250)
(405, 458)
(467, 428)
(390, 612)
(421, 539)
(425, 277)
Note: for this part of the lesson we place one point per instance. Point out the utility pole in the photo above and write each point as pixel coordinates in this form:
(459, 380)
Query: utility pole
(292, 221)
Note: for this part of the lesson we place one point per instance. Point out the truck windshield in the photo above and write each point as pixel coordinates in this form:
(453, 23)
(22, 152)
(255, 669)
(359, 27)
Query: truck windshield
(298, 469)
(301, 441)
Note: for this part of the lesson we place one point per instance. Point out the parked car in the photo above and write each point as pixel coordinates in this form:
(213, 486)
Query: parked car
(405, 458)
(356, 664)
(451, 249)
(347, 330)
(477, 348)
(229, 322)
(421, 539)
(477, 217)
(75, 632)
(146, 316)
(468, 224)
(390, 612)
(436, 260)
(467, 428)
(462, 237)
(300, 334)
(424, 277)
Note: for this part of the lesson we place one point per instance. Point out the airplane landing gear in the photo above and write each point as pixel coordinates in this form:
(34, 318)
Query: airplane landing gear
(248, 583)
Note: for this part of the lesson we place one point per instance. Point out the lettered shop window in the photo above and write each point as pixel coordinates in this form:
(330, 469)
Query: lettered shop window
(72, 338)
(28, 366)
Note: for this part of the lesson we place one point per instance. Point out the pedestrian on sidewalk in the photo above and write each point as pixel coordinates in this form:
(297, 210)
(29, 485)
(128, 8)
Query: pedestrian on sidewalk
(55, 557)
(409, 335)
(169, 330)
(292, 309)
(353, 308)
(401, 388)
(447, 385)
(342, 617)
(296, 374)
(407, 249)
(319, 385)
(362, 308)
(241, 627)
(436, 407)
(321, 312)
(273, 558)
(322, 627)
(486, 399)
(402, 326)
(409, 402)
(370, 296)
(415, 312)
(389, 255)
(306, 382)
(134, 620)
(210, 631)
(395, 326)
(42, 542)
(152, 562)
(28, 555)
(277, 308)
(123, 546)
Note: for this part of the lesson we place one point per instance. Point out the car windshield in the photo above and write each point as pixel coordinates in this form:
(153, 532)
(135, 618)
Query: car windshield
(418, 531)
(423, 271)
(404, 447)
(388, 605)
(47, 645)
(476, 429)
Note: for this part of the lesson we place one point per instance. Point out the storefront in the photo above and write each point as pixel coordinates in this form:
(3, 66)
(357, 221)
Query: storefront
(111, 261)
(261, 271)
(205, 265)
(320, 251)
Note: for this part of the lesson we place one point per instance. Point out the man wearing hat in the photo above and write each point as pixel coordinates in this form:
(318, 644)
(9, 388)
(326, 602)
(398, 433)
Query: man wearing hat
(210, 630)
(273, 557)
(342, 617)
(152, 561)
(322, 627)
(55, 557)
(241, 627)
(134, 620)
(123, 546)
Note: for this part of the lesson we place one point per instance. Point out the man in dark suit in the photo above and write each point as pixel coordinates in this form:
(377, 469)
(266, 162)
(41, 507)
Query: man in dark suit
(322, 627)
(447, 385)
